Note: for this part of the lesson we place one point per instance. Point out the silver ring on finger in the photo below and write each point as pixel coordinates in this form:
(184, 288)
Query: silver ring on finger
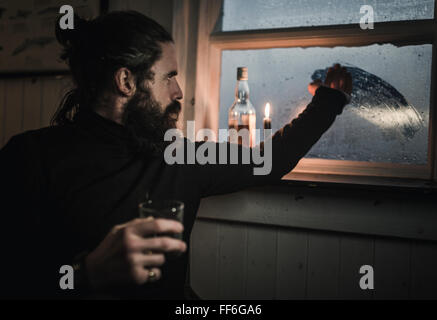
(152, 275)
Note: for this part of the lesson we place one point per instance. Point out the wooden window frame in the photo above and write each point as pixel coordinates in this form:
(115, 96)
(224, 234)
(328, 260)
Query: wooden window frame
(205, 110)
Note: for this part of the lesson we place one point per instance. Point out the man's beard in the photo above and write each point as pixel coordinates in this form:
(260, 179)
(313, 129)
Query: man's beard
(147, 121)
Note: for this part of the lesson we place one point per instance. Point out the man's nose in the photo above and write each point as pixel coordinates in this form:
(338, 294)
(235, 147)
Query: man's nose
(178, 95)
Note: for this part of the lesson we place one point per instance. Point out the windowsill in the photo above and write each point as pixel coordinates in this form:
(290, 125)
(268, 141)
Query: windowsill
(371, 183)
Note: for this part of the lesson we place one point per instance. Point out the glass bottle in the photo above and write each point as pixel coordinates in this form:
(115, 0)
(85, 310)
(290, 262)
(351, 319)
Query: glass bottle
(242, 114)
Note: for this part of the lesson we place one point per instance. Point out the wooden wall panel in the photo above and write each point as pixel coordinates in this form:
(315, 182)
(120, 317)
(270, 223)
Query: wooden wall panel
(13, 117)
(161, 11)
(32, 95)
(424, 271)
(323, 266)
(264, 262)
(115, 5)
(392, 269)
(368, 213)
(261, 264)
(232, 261)
(185, 24)
(29, 103)
(51, 94)
(2, 111)
(207, 71)
(354, 253)
(291, 268)
(204, 259)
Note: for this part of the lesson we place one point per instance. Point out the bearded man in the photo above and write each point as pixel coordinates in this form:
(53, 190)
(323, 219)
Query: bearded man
(70, 192)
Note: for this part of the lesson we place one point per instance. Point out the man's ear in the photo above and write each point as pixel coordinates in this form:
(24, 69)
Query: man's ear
(125, 82)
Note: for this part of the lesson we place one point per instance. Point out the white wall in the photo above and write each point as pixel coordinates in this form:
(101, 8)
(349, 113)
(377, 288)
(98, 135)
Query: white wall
(300, 243)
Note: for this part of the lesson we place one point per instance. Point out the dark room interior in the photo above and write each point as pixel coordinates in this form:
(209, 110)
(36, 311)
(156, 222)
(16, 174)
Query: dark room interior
(342, 109)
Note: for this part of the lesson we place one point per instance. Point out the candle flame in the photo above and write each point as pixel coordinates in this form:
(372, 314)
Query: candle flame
(267, 110)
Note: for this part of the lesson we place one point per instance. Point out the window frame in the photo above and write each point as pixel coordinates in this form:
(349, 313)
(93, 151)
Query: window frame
(211, 42)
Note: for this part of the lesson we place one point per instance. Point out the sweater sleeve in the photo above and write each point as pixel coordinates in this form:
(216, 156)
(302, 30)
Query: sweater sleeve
(288, 146)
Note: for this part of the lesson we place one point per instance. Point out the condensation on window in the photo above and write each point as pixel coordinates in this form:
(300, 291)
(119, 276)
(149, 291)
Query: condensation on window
(268, 14)
(387, 119)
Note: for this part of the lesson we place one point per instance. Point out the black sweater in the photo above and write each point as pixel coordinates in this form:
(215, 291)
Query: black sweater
(64, 187)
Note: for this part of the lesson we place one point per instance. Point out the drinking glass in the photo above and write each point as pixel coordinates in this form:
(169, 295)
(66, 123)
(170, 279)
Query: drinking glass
(166, 209)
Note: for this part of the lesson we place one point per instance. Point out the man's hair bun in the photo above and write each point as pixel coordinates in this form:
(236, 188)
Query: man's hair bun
(71, 38)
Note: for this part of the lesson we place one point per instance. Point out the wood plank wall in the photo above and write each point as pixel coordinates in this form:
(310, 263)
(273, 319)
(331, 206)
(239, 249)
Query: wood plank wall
(248, 261)
(161, 11)
(29, 103)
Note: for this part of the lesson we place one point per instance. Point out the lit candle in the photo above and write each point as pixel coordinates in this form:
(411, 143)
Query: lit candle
(267, 121)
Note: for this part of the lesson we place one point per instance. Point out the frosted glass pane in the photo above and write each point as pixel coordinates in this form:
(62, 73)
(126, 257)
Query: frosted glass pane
(268, 14)
(388, 118)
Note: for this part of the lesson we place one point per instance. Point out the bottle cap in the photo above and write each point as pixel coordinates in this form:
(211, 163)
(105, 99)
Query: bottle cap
(242, 73)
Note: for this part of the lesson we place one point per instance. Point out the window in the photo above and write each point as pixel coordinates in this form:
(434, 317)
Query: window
(387, 120)
(387, 130)
(270, 14)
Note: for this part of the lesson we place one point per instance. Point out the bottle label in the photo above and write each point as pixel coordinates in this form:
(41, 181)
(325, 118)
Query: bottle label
(244, 132)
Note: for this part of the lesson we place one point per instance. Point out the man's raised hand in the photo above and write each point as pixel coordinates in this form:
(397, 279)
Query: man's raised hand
(336, 78)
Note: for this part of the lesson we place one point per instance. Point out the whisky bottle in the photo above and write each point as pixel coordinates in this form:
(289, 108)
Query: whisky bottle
(242, 114)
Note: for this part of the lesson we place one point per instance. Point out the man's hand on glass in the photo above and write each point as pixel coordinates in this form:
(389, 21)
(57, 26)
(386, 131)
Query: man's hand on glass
(132, 253)
(336, 78)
